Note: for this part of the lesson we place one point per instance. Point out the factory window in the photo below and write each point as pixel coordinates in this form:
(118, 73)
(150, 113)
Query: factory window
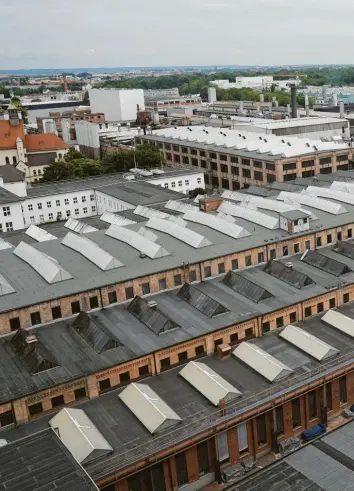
(49, 204)
(329, 238)
(307, 163)
(345, 297)
(74, 200)
(144, 370)
(339, 235)
(6, 418)
(80, 393)
(186, 182)
(57, 401)
(285, 251)
(257, 164)
(167, 146)
(203, 459)
(192, 276)
(332, 303)
(326, 170)
(94, 302)
(225, 183)
(158, 477)
(202, 153)
(214, 166)
(343, 398)
(234, 264)
(129, 293)
(291, 166)
(35, 318)
(7, 160)
(266, 326)
(92, 197)
(56, 312)
(261, 257)
(342, 158)
(168, 156)
(145, 288)
(181, 469)
(207, 271)
(180, 184)
(32, 220)
(194, 162)
(261, 430)
(199, 180)
(182, 356)
(203, 164)
(84, 210)
(223, 157)
(66, 201)
(77, 212)
(312, 404)
(184, 150)
(258, 176)
(279, 418)
(249, 333)
(318, 241)
(112, 297)
(307, 244)
(224, 168)
(326, 160)
(234, 160)
(296, 248)
(35, 409)
(162, 284)
(280, 321)
(235, 185)
(289, 177)
(221, 268)
(15, 323)
(67, 213)
(350, 233)
(296, 412)
(248, 260)
(165, 363)
(212, 155)
(175, 148)
(199, 350)
(124, 378)
(270, 166)
(57, 202)
(39, 206)
(177, 279)
(104, 384)
(75, 307)
(329, 396)
(30, 207)
(93, 209)
(234, 338)
(308, 173)
(270, 178)
(320, 307)
(246, 173)
(176, 158)
(185, 160)
(292, 317)
(83, 199)
(272, 254)
(308, 311)
(245, 162)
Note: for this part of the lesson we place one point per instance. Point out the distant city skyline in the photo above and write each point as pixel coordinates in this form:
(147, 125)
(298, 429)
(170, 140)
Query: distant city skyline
(48, 34)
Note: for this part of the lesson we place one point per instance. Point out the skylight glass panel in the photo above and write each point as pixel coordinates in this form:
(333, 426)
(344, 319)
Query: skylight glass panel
(39, 234)
(178, 232)
(79, 227)
(339, 321)
(179, 206)
(115, 219)
(313, 202)
(216, 223)
(145, 211)
(253, 216)
(309, 344)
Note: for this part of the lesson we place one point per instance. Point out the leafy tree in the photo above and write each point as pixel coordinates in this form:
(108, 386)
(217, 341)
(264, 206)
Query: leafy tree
(73, 169)
(118, 161)
(147, 155)
(73, 154)
(86, 96)
(16, 103)
(193, 193)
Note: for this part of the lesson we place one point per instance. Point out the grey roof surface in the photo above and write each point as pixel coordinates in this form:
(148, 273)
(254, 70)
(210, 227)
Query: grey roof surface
(41, 158)
(100, 182)
(129, 438)
(9, 173)
(7, 197)
(293, 214)
(41, 462)
(325, 465)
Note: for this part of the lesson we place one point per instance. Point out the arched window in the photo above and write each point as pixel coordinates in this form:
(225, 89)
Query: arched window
(7, 160)
(14, 160)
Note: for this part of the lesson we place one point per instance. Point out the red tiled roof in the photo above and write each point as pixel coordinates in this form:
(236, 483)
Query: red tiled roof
(47, 141)
(9, 134)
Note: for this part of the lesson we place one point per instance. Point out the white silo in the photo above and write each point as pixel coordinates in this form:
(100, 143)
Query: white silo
(211, 95)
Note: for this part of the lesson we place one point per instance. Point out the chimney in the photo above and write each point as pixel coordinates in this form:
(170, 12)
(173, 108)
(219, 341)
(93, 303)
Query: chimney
(31, 339)
(65, 83)
(293, 102)
(341, 109)
(223, 350)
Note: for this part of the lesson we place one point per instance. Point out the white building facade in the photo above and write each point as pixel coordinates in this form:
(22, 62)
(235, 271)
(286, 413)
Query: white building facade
(118, 105)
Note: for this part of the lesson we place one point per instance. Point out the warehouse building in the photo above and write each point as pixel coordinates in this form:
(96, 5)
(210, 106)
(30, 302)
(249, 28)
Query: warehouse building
(236, 160)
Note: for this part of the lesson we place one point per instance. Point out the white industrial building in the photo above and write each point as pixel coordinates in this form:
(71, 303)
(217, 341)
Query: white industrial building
(118, 105)
(256, 83)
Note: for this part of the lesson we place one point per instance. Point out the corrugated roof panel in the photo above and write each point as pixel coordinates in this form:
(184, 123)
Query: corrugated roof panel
(148, 407)
(339, 321)
(179, 206)
(151, 316)
(286, 274)
(80, 435)
(253, 216)
(45, 265)
(209, 383)
(137, 241)
(216, 223)
(79, 227)
(246, 287)
(111, 218)
(183, 234)
(313, 202)
(89, 249)
(145, 211)
(201, 301)
(261, 361)
(5, 245)
(309, 344)
(325, 263)
(39, 234)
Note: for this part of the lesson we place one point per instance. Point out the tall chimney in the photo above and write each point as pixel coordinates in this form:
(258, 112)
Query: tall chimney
(65, 83)
(341, 109)
(293, 102)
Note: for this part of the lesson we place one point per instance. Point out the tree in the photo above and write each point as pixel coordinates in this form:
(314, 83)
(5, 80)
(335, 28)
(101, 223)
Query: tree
(149, 156)
(118, 161)
(73, 154)
(86, 97)
(193, 193)
(16, 104)
(72, 169)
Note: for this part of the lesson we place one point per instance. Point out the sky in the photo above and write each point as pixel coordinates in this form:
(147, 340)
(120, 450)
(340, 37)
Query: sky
(117, 33)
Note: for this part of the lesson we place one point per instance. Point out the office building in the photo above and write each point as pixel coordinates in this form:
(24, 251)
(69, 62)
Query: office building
(118, 105)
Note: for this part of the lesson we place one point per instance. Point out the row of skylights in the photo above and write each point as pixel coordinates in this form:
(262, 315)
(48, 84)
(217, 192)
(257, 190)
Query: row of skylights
(151, 316)
(137, 241)
(201, 301)
(95, 333)
(216, 223)
(246, 287)
(344, 248)
(39, 234)
(306, 342)
(332, 266)
(111, 218)
(312, 201)
(287, 274)
(330, 193)
(145, 211)
(178, 232)
(79, 227)
(250, 215)
(179, 206)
